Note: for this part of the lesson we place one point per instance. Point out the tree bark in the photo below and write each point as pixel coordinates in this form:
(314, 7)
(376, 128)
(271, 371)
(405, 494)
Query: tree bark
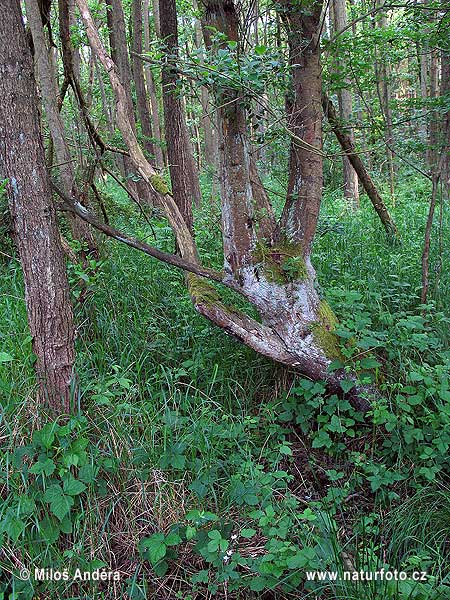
(345, 110)
(22, 162)
(119, 54)
(139, 81)
(183, 171)
(382, 74)
(208, 116)
(301, 212)
(445, 91)
(151, 89)
(364, 177)
(50, 93)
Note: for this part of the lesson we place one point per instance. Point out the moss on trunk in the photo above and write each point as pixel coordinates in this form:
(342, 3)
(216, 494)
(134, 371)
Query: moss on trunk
(323, 331)
(282, 263)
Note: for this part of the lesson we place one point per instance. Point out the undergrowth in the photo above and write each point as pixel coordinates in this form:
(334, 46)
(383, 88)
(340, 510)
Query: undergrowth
(195, 468)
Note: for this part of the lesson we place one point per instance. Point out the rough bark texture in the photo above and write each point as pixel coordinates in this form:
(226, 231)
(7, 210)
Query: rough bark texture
(139, 81)
(345, 110)
(297, 329)
(382, 74)
(22, 161)
(151, 89)
(445, 91)
(119, 54)
(301, 211)
(275, 276)
(183, 171)
(364, 177)
(208, 118)
(50, 93)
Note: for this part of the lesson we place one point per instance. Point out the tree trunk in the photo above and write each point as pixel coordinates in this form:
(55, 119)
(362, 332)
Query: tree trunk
(139, 81)
(445, 91)
(364, 177)
(50, 93)
(22, 161)
(382, 74)
(296, 328)
(277, 278)
(183, 172)
(345, 110)
(159, 155)
(208, 114)
(119, 54)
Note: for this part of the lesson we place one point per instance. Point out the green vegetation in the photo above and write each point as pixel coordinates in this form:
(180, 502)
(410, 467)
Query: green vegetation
(282, 262)
(191, 474)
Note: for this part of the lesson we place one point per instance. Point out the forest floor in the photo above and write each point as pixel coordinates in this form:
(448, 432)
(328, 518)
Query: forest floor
(198, 469)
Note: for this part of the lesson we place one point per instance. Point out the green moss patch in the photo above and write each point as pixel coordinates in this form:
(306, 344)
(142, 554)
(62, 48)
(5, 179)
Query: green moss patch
(282, 263)
(201, 291)
(323, 331)
(159, 184)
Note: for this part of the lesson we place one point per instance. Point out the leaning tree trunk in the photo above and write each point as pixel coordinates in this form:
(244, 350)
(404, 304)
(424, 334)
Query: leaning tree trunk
(345, 110)
(119, 53)
(22, 162)
(183, 171)
(267, 264)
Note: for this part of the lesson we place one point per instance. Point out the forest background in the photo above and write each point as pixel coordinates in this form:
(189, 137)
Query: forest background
(224, 297)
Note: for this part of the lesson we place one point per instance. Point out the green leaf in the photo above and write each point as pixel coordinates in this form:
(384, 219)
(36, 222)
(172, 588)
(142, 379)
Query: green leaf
(369, 363)
(322, 439)
(347, 385)
(60, 504)
(12, 525)
(53, 492)
(173, 539)
(155, 547)
(257, 584)
(308, 515)
(190, 532)
(5, 357)
(200, 577)
(87, 473)
(49, 530)
(66, 525)
(285, 450)
(74, 487)
(45, 436)
(45, 467)
(248, 533)
(335, 425)
(161, 568)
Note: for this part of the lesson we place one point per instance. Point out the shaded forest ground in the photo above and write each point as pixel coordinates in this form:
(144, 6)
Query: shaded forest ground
(184, 434)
